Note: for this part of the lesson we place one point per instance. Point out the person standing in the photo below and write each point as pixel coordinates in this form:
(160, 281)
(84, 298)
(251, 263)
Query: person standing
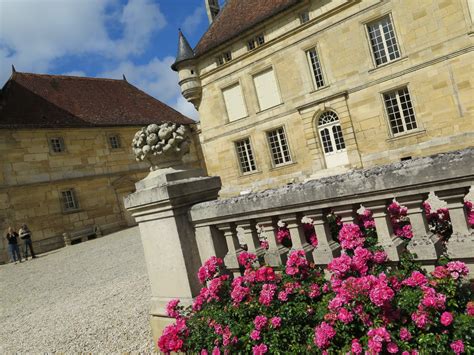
(13, 248)
(25, 235)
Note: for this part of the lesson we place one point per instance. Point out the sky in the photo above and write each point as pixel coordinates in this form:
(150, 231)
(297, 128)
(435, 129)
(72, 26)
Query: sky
(102, 38)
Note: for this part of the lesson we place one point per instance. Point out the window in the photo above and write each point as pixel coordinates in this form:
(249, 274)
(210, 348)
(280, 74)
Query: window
(304, 17)
(279, 147)
(56, 144)
(255, 42)
(318, 78)
(383, 41)
(224, 58)
(246, 159)
(331, 133)
(114, 142)
(267, 89)
(400, 110)
(234, 102)
(69, 200)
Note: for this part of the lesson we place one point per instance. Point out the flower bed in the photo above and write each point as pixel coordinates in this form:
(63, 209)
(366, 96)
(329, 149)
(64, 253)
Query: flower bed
(367, 304)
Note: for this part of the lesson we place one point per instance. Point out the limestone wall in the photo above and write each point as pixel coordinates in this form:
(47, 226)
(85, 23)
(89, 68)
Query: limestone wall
(32, 178)
(436, 65)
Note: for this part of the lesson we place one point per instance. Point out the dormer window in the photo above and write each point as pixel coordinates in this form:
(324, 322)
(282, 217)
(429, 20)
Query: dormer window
(304, 17)
(224, 58)
(255, 42)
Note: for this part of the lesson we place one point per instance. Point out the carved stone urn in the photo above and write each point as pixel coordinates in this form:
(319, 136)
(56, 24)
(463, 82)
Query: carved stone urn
(162, 145)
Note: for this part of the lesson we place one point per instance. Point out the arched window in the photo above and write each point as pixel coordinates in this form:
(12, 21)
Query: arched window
(331, 133)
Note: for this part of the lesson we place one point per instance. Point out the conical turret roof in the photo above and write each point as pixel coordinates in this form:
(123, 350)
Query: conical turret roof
(185, 52)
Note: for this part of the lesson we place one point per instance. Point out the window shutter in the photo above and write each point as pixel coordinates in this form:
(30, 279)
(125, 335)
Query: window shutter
(267, 89)
(234, 102)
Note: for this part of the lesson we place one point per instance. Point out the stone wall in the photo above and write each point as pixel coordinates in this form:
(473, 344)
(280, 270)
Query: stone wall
(32, 178)
(436, 65)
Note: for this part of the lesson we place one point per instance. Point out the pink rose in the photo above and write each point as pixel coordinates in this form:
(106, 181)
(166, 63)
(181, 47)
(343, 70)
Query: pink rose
(446, 318)
(457, 346)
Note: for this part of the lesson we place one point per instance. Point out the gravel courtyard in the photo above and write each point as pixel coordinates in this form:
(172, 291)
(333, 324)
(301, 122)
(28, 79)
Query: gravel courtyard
(91, 297)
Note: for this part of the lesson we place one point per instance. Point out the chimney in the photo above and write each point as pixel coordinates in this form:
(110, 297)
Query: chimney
(212, 8)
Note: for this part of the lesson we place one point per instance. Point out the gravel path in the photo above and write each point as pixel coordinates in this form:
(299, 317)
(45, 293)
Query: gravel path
(91, 297)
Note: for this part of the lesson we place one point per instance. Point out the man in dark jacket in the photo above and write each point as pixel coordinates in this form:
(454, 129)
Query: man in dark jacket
(25, 235)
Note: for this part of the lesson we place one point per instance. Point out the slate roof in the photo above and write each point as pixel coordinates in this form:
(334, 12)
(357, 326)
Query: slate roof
(236, 17)
(54, 101)
(185, 51)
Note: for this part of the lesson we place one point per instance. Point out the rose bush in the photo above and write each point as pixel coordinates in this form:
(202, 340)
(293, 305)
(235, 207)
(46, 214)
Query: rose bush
(367, 305)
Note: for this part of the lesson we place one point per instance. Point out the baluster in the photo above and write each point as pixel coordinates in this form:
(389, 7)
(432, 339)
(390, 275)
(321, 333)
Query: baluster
(421, 244)
(327, 248)
(233, 245)
(251, 237)
(390, 243)
(457, 213)
(276, 253)
(205, 243)
(298, 237)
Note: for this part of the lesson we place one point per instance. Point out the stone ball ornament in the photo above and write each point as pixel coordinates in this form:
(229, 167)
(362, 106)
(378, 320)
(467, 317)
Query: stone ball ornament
(162, 145)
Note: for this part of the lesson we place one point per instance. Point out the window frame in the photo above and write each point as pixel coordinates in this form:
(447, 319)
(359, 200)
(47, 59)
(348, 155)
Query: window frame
(255, 42)
(395, 36)
(396, 89)
(223, 58)
(73, 198)
(119, 141)
(247, 156)
(311, 70)
(330, 126)
(51, 145)
(304, 17)
(269, 143)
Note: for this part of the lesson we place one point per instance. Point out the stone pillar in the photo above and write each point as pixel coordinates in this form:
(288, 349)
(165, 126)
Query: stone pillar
(251, 237)
(233, 247)
(276, 253)
(298, 237)
(160, 206)
(386, 238)
(327, 248)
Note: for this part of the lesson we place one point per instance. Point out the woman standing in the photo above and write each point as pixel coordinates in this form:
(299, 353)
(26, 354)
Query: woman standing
(13, 248)
(25, 235)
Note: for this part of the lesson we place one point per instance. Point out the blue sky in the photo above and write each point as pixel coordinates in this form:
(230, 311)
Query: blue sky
(101, 38)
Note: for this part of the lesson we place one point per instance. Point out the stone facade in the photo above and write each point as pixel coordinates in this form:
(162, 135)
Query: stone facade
(435, 66)
(32, 179)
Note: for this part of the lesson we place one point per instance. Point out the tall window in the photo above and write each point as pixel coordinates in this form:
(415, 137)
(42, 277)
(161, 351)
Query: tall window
(56, 144)
(114, 142)
(234, 102)
(383, 41)
(255, 42)
(331, 133)
(279, 146)
(400, 110)
(318, 78)
(246, 159)
(69, 200)
(267, 89)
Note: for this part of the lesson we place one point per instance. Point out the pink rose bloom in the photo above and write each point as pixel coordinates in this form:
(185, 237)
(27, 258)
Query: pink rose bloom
(380, 256)
(345, 316)
(457, 346)
(204, 352)
(171, 310)
(246, 259)
(259, 349)
(260, 322)
(446, 318)
(323, 335)
(283, 296)
(255, 334)
(420, 318)
(216, 351)
(392, 348)
(341, 265)
(470, 308)
(314, 291)
(275, 322)
(416, 279)
(405, 334)
(457, 269)
(350, 236)
(267, 293)
(356, 348)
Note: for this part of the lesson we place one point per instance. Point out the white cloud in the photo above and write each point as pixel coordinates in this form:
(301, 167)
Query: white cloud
(156, 79)
(35, 33)
(192, 22)
(75, 73)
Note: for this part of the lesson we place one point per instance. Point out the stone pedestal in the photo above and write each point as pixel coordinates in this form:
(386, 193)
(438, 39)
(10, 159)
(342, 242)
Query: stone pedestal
(160, 207)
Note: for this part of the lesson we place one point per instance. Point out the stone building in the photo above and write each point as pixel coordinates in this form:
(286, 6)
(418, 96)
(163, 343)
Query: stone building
(294, 89)
(66, 159)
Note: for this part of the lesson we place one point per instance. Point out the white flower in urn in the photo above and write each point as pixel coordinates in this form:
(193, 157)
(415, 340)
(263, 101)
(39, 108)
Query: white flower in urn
(162, 145)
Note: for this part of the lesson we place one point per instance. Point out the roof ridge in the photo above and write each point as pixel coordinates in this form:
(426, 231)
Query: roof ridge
(60, 76)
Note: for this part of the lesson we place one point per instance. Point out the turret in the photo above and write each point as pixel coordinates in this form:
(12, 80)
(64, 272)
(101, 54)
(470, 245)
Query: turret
(188, 77)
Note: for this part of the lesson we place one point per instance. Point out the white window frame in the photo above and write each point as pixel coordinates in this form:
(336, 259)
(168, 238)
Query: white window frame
(69, 201)
(223, 58)
(312, 70)
(246, 156)
(329, 126)
(403, 117)
(255, 42)
(384, 41)
(286, 159)
(56, 142)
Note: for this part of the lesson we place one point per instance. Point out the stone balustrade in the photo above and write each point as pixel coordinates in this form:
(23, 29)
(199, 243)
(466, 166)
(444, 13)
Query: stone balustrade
(182, 223)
